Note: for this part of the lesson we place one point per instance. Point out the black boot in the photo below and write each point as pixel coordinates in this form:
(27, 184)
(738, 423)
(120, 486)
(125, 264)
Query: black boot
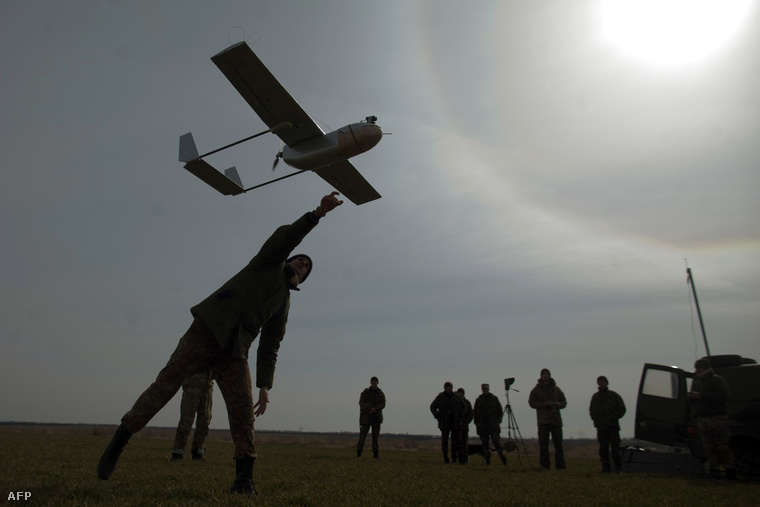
(176, 456)
(244, 477)
(503, 458)
(606, 467)
(375, 455)
(358, 453)
(197, 455)
(110, 456)
(445, 457)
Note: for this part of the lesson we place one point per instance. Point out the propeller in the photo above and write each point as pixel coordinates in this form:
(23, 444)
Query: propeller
(277, 157)
(276, 161)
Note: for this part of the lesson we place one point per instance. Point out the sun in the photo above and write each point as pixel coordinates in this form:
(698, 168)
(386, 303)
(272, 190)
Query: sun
(672, 31)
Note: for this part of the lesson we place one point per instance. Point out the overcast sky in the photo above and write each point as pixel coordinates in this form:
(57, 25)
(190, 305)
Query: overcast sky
(542, 188)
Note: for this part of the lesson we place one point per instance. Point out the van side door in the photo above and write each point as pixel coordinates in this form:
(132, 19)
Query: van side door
(662, 408)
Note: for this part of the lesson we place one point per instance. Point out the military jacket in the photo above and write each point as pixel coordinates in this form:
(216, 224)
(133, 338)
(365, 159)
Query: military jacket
(257, 300)
(543, 392)
(369, 399)
(488, 411)
(713, 391)
(449, 410)
(606, 409)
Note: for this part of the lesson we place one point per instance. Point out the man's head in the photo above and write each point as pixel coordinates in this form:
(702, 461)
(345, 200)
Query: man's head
(485, 388)
(373, 381)
(448, 387)
(546, 375)
(460, 391)
(301, 264)
(601, 381)
(701, 365)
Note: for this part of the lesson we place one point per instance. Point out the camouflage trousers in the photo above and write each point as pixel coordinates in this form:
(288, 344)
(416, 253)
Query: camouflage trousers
(715, 436)
(196, 349)
(194, 401)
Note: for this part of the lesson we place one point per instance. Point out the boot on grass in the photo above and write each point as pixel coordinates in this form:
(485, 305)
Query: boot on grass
(244, 477)
(110, 456)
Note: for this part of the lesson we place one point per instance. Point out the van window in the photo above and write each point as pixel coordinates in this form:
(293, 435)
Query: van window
(660, 383)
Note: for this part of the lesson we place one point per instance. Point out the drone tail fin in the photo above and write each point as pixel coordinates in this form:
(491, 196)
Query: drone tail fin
(228, 183)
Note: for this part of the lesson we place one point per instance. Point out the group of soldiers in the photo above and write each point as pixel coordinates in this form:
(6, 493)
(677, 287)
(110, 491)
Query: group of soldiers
(454, 413)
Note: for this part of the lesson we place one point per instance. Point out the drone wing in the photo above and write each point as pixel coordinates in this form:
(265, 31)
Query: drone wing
(347, 180)
(265, 94)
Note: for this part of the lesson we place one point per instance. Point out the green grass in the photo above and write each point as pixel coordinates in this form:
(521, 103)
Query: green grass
(59, 469)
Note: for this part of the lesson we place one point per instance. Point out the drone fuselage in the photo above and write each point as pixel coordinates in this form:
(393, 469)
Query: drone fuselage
(338, 145)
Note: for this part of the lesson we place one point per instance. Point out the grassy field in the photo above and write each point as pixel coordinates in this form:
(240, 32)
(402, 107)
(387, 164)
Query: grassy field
(59, 469)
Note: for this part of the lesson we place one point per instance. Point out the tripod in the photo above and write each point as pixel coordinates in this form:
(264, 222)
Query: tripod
(514, 437)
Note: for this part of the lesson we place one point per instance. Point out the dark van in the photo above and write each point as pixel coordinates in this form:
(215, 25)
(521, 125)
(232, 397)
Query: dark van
(663, 412)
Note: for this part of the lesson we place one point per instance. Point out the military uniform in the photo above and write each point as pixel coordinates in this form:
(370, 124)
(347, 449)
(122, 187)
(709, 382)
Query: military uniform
(197, 397)
(606, 408)
(547, 398)
(488, 416)
(370, 398)
(712, 419)
(450, 411)
(254, 302)
(465, 431)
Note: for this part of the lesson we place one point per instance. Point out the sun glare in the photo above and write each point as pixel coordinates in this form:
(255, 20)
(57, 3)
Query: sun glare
(672, 31)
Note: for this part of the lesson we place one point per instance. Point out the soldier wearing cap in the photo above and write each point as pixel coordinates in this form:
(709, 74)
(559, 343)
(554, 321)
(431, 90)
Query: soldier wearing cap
(253, 303)
(488, 416)
(606, 409)
(708, 396)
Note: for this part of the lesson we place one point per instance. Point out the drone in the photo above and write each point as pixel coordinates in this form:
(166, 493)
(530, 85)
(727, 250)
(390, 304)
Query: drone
(306, 146)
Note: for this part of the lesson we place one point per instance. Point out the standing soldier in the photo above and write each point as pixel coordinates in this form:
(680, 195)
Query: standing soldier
(449, 410)
(488, 415)
(465, 432)
(197, 392)
(371, 403)
(708, 396)
(548, 400)
(606, 409)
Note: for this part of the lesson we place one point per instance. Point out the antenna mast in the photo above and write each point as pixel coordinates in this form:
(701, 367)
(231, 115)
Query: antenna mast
(690, 281)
